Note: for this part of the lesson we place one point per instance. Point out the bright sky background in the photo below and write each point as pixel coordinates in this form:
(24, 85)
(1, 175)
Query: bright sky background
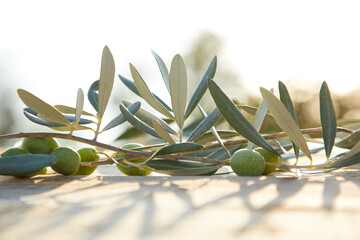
(56, 45)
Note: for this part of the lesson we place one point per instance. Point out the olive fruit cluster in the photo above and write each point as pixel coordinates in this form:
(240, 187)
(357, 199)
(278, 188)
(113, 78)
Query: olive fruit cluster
(253, 162)
(67, 159)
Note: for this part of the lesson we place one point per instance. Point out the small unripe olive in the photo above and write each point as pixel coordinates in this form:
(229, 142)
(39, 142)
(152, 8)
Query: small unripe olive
(246, 162)
(133, 171)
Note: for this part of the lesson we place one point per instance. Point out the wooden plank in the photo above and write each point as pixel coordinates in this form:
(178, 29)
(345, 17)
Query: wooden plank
(323, 206)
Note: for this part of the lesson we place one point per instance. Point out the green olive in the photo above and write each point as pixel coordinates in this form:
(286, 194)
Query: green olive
(133, 171)
(39, 145)
(87, 154)
(269, 157)
(67, 160)
(246, 162)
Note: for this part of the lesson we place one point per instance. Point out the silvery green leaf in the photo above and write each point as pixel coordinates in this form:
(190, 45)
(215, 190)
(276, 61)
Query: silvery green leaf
(32, 116)
(70, 110)
(285, 121)
(25, 165)
(178, 89)
(176, 148)
(205, 125)
(147, 95)
(209, 136)
(349, 141)
(328, 118)
(41, 107)
(201, 88)
(235, 118)
(148, 117)
(133, 120)
(119, 119)
(93, 97)
(182, 168)
(107, 73)
(79, 105)
(258, 119)
(131, 85)
(163, 69)
(160, 130)
(286, 100)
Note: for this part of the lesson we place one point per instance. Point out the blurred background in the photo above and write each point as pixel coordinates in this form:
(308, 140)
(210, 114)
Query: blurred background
(52, 48)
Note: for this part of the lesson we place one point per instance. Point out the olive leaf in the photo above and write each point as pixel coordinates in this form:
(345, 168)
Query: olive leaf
(79, 105)
(182, 168)
(92, 95)
(146, 94)
(160, 130)
(207, 123)
(163, 69)
(133, 120)
(176, 148)
(344, 160)
(119, 119)
(286, 100)
(131, 85)
(259, 119)
(70, 110)
(41, 107)
(328, 118)
(235, 118)
(201, 88)
(148, 117)
(285, 120)
(106, 82)
(24, 165)
(178, 89)
(349, 141)
(33, 116)
(209, 136)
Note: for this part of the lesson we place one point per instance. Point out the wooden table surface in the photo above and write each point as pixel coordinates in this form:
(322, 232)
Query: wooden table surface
(325, 206)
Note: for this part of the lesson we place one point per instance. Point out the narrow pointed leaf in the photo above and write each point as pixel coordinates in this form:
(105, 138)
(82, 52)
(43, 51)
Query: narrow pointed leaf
(131, 85)
(346, 159)
(353, 152)
(177, 148)
(349, 141)
(214, 131)
(182, 168)
(31, 115)
(133, 120)
(286, 100)
(209, 136)
(235, 118)
(285, 121)
(163, 69)
(223, 154)
(259, 119)
(70, 110)
(146, 94)
(206, 124)
(328, 119)
(93, 97)
(79, 105)
(201, 88)
(160, 130)
(269, 124)
(41, 107)
(178, 89)
(24, 165)
(148, 117)
(107, 74)
(119, 119)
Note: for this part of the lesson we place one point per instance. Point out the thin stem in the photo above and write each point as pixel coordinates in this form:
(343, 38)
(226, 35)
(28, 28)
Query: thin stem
(275, 136)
